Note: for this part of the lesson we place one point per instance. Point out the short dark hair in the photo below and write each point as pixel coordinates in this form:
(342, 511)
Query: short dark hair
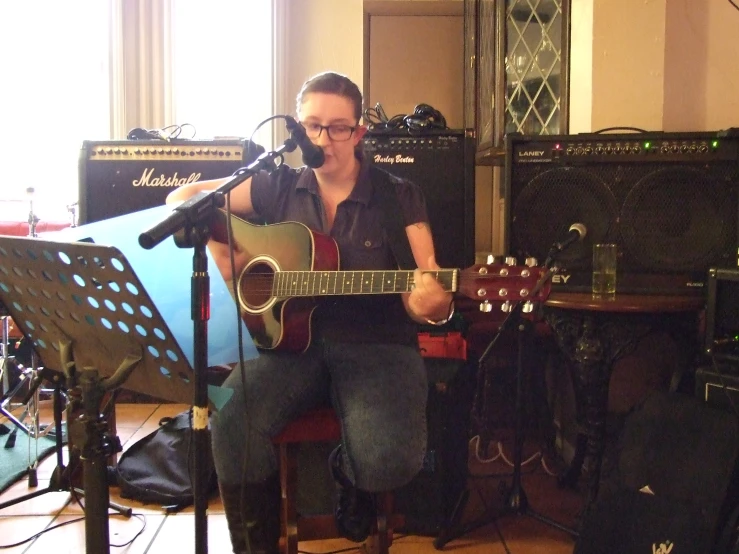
(332, 83)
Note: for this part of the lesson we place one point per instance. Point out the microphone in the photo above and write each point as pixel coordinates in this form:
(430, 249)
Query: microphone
(312, 154)
(576, 233)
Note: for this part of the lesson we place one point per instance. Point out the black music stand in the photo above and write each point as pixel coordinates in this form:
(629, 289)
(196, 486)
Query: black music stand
(88, 316)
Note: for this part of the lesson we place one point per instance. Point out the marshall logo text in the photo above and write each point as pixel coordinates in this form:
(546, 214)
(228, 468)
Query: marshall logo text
(164, 181)
(398, 159)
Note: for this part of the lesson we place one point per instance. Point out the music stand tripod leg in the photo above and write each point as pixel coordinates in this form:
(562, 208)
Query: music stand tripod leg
(60, 480)
(516, 501)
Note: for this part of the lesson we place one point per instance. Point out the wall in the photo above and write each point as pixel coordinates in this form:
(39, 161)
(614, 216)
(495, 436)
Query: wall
(628, 63)
(654, 64)
(417, 59)
(702, 90)
(323, 35)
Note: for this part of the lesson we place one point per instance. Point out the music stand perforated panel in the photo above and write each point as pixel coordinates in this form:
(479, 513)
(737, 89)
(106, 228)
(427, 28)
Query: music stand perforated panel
(89, 295)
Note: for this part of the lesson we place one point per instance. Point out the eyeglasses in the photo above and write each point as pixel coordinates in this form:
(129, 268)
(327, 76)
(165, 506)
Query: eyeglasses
(337, 132)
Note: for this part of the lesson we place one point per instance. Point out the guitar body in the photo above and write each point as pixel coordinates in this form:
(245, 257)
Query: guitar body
(284, 267)
(275, 322)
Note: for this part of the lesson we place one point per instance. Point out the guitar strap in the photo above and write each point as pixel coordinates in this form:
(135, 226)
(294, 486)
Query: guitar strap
(392, 218)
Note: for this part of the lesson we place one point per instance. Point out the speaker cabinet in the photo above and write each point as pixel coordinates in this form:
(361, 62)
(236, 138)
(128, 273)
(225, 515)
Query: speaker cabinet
(442, 163)
(722, 315)
(669, 200)
(125, 176)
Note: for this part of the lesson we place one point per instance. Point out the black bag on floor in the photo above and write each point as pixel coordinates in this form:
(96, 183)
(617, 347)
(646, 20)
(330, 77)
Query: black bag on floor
(673, 484)
(155, 470)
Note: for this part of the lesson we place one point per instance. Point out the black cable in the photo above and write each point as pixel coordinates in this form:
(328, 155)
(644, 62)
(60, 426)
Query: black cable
(141, 518)
(424, 117)
(734, 4)
(164, 133)
(609, 129)
(341, 550)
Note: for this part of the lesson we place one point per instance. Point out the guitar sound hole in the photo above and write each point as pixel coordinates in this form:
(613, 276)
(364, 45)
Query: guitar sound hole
(256, 285)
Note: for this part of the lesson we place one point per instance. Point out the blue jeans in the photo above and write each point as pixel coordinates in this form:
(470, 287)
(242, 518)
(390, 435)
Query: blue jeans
(378, 391)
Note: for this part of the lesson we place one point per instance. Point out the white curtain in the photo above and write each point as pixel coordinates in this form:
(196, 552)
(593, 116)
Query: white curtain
(223, 67)
(54, 70)
(95, 69)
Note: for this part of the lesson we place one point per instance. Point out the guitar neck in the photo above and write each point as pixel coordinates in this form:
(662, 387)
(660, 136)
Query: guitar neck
(324, 283)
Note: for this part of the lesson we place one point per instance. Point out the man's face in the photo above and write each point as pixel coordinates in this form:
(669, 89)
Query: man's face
(330, 109)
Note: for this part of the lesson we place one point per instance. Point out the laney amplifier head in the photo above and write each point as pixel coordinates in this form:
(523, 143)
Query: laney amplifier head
(669, 200)
(125, 176)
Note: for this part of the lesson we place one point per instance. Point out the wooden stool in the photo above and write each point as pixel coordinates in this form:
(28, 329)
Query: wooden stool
(319, 425)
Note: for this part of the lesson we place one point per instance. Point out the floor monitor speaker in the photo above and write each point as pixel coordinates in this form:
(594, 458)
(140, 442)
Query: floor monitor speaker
(669, 200)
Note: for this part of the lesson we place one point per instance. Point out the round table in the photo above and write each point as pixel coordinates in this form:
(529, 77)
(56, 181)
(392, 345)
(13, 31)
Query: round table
(593, 333)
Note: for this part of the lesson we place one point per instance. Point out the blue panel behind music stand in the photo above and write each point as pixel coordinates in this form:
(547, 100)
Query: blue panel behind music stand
(165, 271)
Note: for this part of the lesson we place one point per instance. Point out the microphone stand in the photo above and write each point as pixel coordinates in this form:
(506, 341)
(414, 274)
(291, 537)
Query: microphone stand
(189, 223)
(516, 501)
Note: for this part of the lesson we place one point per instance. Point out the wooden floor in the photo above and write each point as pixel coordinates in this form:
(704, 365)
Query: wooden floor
(38, 524)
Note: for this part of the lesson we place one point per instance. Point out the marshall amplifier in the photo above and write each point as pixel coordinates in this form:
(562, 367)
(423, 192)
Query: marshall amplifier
(442, 164)
(125, 176)
(669, 200)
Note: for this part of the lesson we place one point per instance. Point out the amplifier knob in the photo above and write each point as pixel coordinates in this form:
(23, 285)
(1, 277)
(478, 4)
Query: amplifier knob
(598, 149)
(588, 150)
(703, 149)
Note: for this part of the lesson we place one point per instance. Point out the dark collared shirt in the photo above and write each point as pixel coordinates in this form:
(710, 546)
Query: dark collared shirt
(293, 195)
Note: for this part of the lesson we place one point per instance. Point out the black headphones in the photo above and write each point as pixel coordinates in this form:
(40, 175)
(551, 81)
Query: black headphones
(143, 134)
(425, 116)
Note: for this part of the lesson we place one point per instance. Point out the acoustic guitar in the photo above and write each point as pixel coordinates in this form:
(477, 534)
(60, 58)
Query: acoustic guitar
(289, 265)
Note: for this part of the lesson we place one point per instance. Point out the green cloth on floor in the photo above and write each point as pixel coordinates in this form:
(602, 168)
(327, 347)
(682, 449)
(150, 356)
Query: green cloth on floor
(14, 462)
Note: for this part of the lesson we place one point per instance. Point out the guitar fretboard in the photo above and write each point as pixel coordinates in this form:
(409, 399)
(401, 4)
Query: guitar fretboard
(320, 283)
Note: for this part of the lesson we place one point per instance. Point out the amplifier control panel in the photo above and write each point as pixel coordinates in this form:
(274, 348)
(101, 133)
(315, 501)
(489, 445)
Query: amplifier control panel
(632, 147)
(159, 150)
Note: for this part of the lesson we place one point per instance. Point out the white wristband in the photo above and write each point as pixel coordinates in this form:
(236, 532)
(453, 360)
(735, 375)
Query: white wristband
(446, 319)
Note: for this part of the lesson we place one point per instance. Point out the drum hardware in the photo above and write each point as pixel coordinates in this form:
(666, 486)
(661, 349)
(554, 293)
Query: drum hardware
(72, 209)
(9, 366)
(32, 218)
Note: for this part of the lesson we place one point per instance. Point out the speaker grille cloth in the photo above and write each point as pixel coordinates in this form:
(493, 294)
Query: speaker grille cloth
(554, 200)
(666, 219)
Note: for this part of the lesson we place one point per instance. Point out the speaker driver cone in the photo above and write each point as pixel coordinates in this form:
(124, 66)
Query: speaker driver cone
(676, 219)
(550, 203)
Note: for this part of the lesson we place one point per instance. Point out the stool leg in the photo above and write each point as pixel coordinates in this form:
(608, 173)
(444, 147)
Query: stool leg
(252, 514)
(289, 487)
(381, 541)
